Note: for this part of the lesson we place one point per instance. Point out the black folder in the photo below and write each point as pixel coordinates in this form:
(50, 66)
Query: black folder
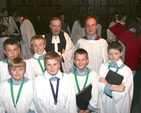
(83, 97)
(114, 78)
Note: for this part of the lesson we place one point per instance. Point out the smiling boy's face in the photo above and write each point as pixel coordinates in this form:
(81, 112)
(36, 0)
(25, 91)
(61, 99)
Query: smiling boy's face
(81, 61)
(38, 46)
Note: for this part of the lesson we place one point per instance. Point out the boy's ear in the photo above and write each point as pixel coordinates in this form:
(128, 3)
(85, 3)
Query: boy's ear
(50, 26)
(73, 61)
(4, 52)
(121, 53)
(19, 50)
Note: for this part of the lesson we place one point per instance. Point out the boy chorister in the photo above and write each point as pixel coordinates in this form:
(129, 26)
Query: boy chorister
(38, 44)
(82, 77)
(11, 49)
(116, 98)
(16, 93)
(53, 91)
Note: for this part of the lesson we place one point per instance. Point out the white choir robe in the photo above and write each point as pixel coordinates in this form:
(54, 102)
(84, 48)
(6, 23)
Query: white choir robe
(11, 24)
(68, 54)
(121, 101)
(1, 47)
(35, 64)
(4, 73)
(25, 101)
(93, 80)
(77, 32)
(99, 30)
(110, 36)
(43, 98)
(97, 52)
(27, 32)
(113, 23)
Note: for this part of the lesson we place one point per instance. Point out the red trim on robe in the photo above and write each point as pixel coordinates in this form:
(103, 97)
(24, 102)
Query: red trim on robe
(23, 19)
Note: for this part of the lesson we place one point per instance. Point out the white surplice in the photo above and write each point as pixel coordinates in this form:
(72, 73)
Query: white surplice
(77, 32)
(120, 101)
(67, 54)
(97, 52)
(93, 80)
(27, 32)
(10, 23)
(35, 64)
(25, 101)
(99, 30)
(43, 98)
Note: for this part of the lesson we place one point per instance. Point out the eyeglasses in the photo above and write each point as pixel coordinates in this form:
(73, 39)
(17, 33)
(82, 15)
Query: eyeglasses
(93, 25)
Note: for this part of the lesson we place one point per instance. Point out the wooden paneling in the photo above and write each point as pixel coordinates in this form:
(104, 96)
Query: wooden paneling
(107, 9)
(40, 11)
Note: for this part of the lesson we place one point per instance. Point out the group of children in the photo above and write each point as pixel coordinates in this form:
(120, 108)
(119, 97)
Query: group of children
(38, 85)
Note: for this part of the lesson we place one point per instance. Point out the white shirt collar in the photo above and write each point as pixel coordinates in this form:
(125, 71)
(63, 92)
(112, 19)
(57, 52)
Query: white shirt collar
(37, 55)
(48, 76)
(119, 62)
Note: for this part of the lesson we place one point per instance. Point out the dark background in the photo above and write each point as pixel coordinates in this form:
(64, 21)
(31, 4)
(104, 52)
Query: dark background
(40, 11)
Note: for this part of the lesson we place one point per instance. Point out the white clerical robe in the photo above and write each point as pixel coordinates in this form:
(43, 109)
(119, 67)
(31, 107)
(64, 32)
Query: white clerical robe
(99, 30)
(27, 32)
(25, 101)
(77, 32)
(120, 101)
(4, 73)
(67, 54)
(11, 24)
(110, 36)
(43, 98)
(97, 52)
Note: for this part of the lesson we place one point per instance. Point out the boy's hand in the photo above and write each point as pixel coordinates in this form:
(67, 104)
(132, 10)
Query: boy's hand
(103, 80)
(119, 88)
(87, 111)
(81, 111)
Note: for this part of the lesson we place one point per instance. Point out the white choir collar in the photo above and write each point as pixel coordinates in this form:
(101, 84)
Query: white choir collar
(55, 39)
(123, 23)
(37, 55)
(48, 76)
(119, 62)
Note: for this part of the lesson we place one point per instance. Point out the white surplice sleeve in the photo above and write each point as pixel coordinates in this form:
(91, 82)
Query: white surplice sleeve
(27, 32)
(2, 107)
(68, 54)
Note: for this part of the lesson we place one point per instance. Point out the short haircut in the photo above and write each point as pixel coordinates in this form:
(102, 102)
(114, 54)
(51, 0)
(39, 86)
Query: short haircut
(89, 18)
(3, 10)
(17, 14)
(115, 45)
(3, 28)
(10, 41)
(53, 18)
(1, 19)
(80, 51)
(51, 55)
(37, 37)
(16, 62)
